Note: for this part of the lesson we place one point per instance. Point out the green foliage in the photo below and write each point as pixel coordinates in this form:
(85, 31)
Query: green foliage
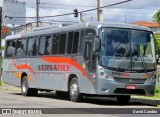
(157, 44)
(157, 16)
(157, 36)
(2, 48)
(157, 90)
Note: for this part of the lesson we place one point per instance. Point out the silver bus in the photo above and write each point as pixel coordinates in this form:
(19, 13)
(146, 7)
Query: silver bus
(86, 59)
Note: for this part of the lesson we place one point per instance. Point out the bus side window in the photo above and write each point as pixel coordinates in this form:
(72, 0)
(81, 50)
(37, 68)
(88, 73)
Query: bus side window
(81, 42)
(32, 47)
(7, 48)
(73, 41)
(62, 44)
(55, 44)
(70, 42)
(21, 48)
(10, 52)
(87, 51)
(45, 45)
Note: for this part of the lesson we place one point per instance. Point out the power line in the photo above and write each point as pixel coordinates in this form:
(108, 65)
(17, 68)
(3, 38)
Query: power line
(67, 5)
(80, 11)
(105, 13)
(54, 8)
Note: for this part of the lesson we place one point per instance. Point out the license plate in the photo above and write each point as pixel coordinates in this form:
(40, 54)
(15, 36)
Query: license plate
(130, 86)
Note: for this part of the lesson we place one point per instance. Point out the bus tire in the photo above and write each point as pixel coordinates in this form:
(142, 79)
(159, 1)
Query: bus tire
(74, 92)
(123, 99)
(26, 91)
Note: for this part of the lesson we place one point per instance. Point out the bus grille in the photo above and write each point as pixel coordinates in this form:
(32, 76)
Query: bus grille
(129, 91)
(130, 80)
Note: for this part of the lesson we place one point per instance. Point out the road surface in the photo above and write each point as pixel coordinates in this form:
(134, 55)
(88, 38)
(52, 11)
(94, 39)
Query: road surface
(11, 98)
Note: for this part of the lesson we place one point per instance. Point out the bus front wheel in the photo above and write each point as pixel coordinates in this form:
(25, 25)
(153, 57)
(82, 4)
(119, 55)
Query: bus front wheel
(26, 91)
(75, 95)
(123, 99)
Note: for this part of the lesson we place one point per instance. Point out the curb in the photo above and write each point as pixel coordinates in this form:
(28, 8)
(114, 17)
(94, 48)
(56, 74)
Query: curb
(9, 87)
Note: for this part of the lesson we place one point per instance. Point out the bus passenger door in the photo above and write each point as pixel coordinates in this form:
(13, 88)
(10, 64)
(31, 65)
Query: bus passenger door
(88, 56)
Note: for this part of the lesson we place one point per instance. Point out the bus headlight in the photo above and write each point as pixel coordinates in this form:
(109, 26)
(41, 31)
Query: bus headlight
(106, 76)
(151, 79)
(109, 77)
(102, 74)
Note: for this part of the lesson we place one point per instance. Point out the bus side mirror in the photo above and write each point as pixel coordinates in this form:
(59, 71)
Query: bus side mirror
(96, 45)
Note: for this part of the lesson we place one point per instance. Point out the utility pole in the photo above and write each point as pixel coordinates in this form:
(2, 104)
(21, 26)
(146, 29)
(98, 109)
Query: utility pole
(99, 11)
(37, 11)
(80, 18)
(0, 42)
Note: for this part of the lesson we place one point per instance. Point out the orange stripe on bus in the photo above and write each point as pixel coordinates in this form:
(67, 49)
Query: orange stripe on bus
(19, 75)
(64, 60)
(23, 66)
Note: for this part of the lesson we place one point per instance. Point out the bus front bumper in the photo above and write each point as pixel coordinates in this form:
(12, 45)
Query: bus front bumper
(108, 87)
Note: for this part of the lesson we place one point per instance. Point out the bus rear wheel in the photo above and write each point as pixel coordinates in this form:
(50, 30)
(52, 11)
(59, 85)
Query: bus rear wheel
(123, 99)
(75, 95)
(26, 91)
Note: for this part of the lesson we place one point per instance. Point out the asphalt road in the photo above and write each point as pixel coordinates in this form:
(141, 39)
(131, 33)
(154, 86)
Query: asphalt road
(11, 98)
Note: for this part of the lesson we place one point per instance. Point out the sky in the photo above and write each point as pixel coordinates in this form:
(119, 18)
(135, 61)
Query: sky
(136, 10)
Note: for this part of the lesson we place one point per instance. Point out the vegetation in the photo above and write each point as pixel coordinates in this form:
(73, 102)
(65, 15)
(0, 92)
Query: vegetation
(157, 42)
(157, 90)
(1, 83)
(2, 47)
(157, 16)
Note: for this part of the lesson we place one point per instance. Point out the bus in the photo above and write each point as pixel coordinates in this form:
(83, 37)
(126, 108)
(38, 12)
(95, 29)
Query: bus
(85, 59)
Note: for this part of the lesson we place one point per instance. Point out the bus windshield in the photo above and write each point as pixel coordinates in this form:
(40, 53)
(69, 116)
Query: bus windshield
(127, 49)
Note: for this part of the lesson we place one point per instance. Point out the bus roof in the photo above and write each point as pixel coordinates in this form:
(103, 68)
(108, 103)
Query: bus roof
(57, 29)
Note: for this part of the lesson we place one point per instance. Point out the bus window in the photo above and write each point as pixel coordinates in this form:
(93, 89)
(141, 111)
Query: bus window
(55, 44)
(87, 50)
(10, 49)
(21, 48)
(70, 40)
(62, 44)
(32, 47)
(45, 45)
(73, 43)
(81, 42)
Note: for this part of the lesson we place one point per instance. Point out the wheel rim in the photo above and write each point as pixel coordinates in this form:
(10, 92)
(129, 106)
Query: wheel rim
(24, 86)
(74, 90)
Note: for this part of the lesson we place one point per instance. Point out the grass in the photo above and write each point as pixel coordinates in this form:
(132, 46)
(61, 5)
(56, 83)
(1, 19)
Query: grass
(157, 90)
(1, 83)
(158, 106)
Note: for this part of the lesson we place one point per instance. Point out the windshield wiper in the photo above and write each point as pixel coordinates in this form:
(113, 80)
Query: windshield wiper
(144, 64)
(122, 60)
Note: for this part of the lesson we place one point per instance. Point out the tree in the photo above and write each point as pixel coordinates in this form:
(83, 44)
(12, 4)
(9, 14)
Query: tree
(157, 16)
(157, 42)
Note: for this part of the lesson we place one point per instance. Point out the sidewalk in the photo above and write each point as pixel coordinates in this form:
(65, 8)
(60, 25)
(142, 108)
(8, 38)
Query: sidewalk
(4, 86)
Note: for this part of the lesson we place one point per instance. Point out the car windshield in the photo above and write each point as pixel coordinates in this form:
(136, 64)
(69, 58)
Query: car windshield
(127, 49)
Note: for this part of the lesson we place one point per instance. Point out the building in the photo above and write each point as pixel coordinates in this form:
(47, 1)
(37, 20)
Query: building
(154, 26)
(5, 31)
(13, 8)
